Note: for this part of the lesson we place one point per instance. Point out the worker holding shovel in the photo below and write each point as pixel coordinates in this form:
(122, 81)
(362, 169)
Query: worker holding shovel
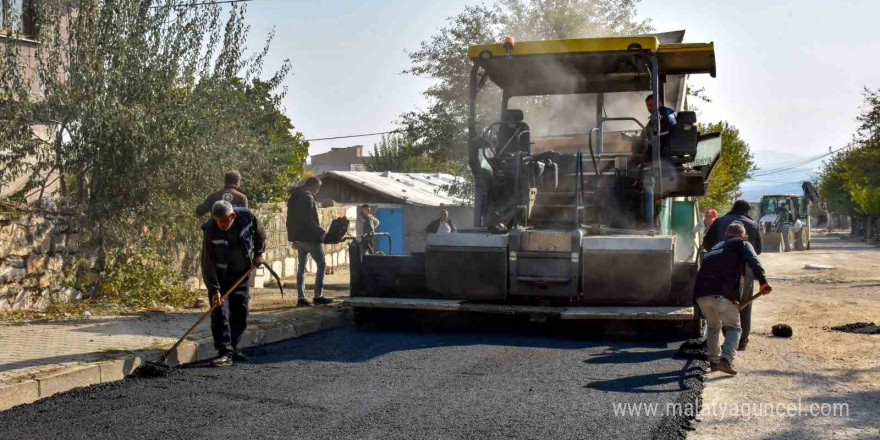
(717, 293)
(234, 242)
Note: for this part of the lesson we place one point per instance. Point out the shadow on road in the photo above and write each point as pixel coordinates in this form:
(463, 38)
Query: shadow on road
(651, 383)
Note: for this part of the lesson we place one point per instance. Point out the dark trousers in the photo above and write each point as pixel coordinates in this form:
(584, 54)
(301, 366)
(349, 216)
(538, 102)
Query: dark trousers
(745, 315)
(229, 321)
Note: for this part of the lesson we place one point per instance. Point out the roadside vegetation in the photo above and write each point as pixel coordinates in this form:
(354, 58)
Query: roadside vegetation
(849, 181)
(135, 109)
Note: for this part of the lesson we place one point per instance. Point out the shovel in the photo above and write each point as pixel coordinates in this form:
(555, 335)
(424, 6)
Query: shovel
(747, 302)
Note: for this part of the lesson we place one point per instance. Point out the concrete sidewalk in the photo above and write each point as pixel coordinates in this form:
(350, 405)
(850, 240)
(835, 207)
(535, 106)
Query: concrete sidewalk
(43, 358)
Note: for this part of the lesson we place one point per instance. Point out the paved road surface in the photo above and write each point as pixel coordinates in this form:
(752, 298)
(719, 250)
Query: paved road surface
(350, 383)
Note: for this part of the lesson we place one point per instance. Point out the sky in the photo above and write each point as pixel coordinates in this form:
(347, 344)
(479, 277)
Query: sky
(790, 73)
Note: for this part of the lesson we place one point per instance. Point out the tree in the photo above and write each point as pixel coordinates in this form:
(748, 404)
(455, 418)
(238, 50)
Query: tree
(276, 154)
(733, 168)
(832, 185)
(440, 130)
(147, 103)
(140, 106)
(398, 153)
(850, 180)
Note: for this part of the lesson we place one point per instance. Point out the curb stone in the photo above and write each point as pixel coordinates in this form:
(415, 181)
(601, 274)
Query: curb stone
(92, 373)
(19, 393)
(78, 376)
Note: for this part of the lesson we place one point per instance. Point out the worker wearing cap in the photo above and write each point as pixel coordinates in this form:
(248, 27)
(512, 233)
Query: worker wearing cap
(717, 293)
(229, 193)
(716, 233)
(233, 243)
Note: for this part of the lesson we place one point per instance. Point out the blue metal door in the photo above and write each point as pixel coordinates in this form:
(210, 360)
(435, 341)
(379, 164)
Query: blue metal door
(390, 221)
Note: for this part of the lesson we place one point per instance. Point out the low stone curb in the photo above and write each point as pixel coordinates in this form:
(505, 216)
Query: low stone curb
(65, 379)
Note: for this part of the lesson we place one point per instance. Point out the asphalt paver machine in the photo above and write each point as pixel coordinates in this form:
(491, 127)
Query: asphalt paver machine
(585, 200)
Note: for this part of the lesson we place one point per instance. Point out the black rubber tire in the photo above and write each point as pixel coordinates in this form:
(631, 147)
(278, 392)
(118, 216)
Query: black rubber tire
(799, 241)
(786, 239)
(772, 242)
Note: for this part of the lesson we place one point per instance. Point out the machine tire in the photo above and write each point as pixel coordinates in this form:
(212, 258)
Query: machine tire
(772, 242)
(786, 239)
(799, 241)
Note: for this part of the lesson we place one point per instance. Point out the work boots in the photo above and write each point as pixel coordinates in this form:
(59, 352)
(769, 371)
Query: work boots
(722, 365)
(302, 302)
(321, 300)
(224, 360)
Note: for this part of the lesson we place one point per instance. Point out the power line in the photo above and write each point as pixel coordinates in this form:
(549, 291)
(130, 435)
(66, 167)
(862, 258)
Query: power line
(785, 163)
(793, 165)
(353, 136)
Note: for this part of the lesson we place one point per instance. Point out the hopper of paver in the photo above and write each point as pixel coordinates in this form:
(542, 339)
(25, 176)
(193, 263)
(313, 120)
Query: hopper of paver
(627, 270)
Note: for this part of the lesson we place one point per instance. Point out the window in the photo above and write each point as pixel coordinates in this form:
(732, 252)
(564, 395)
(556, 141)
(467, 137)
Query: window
(18, 16)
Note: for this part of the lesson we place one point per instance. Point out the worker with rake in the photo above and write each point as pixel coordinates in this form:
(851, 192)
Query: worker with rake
(233, 244)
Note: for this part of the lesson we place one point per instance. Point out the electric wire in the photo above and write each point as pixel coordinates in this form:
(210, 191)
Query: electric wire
(353, 136)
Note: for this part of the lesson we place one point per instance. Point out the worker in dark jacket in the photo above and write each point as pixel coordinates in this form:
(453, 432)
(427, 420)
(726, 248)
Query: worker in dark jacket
(441, 225)
(230, 193)
(305, 232)
(233, 243)
(716, 232)
(717, 293)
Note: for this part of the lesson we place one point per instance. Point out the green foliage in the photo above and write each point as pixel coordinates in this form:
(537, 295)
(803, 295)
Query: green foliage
(440, 130)
(141, 106)
(398, 153)
(850, 180)
(142, 278)
(733, 168)
(146, 105)
(275, 156)
(833, 185)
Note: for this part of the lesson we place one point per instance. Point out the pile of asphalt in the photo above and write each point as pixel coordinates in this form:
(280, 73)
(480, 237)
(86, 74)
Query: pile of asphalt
(153, 369)
(781, 331)
(864, 328)
(692, 349)
(677, 425)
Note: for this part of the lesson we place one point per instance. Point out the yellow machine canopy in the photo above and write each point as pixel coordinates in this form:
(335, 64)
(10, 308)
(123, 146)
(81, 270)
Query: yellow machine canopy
(588, 65)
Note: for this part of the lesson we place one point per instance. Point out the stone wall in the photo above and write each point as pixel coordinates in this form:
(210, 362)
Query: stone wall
(281, 255)
(35, 250)
(39, 251)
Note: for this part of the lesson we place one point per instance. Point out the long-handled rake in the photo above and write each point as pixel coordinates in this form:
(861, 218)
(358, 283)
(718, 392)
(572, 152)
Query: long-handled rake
(160, 367)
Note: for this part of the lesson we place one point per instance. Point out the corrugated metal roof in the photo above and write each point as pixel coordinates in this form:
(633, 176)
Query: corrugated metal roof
(428, 189)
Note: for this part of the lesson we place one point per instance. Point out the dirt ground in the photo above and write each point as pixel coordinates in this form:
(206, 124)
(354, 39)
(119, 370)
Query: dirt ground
(817, 368)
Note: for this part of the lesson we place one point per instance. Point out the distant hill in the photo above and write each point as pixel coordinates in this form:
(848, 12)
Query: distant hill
(783, 182)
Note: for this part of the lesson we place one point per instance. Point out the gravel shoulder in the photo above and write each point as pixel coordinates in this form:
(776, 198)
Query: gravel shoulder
(817, 368)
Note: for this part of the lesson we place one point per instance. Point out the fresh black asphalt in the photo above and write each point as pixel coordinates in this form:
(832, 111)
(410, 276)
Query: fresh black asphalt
(355, 383)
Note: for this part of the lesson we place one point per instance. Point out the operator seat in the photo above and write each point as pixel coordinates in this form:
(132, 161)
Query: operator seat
(513, 129)
(682, 138)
